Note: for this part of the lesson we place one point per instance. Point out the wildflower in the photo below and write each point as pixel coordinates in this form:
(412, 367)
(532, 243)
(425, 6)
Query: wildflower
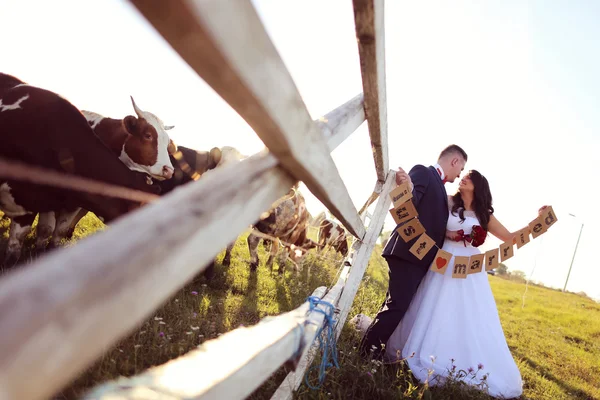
(370, 374)
(452, 359)
(453, 368)
(194, 293)
(471, 370)
(161, 334)
(195, 315)
(373, 370)
(480, 366)
(432, 358)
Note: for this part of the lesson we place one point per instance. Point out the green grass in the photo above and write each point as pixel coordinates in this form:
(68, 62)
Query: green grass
(554, 337)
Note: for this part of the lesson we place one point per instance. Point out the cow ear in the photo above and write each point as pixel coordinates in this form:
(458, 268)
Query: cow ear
(131, 125)
(215, 157)
(172, 148)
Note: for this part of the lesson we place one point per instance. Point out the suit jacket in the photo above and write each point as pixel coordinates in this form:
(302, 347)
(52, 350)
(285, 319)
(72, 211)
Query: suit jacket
(431, 202)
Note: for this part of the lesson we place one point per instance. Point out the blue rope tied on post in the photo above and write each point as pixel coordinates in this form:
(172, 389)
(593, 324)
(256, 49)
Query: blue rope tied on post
(327, 346)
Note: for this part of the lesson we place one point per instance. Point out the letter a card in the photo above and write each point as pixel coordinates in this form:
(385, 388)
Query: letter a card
(441, 261)
(476, 263)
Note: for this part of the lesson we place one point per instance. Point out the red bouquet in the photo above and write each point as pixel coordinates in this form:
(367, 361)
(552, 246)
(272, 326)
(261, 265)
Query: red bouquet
(476, 237)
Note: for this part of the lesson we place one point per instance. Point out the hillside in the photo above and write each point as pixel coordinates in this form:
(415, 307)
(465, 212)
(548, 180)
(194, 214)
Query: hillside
(555, 337)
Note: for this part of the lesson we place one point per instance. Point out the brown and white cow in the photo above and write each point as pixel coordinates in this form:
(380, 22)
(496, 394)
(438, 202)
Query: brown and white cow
(40, 128)
(189, 165)
(141, 143)
(333, 235)
(288, 222)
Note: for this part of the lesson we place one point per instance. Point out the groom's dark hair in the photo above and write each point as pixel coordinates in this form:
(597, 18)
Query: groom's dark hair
(453, 149)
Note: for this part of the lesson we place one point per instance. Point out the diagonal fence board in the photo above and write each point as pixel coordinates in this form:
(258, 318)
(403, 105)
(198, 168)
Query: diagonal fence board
(225, 42)
(293, 380)
(124, 273)
(203, 374)
(363, 252)
(370, 33)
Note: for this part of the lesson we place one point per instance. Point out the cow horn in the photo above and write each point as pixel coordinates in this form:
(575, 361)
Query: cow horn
(139, 112)
(215, 156)
(167, 127)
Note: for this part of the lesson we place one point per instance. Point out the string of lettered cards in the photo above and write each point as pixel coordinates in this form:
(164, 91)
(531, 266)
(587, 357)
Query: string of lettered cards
(406, 216)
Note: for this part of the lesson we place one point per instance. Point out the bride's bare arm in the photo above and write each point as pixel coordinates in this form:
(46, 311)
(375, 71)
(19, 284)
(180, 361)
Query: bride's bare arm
(497, 229)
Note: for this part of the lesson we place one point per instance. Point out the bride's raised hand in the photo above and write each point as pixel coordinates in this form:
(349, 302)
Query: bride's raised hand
(453, 235)
(541, 210)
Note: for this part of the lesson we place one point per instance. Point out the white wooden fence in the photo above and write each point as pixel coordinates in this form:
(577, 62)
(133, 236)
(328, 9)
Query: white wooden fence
(57, 322)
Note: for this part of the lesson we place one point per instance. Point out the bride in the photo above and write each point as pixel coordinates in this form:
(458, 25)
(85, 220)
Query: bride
(453, 324)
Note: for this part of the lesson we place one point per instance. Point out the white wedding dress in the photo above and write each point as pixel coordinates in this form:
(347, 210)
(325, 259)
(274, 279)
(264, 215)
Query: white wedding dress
(451, 318)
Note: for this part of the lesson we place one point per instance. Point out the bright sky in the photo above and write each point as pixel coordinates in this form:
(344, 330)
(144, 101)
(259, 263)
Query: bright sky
(515, 83)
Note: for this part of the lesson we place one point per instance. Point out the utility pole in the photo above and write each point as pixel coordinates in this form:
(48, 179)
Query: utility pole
(574, 252)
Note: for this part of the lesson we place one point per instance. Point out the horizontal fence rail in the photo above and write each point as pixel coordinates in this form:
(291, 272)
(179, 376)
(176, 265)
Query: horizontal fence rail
(208, 372)
(225, 42)
(68, 307)
(227, 367)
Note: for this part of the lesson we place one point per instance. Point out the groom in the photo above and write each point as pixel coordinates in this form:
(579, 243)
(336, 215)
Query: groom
(405, 270)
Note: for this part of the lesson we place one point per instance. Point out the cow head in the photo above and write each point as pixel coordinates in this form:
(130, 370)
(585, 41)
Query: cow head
(148, 146)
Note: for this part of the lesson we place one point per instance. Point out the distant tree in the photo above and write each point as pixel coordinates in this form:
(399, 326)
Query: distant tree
(502, 269)
(384, 236)
(518, 275)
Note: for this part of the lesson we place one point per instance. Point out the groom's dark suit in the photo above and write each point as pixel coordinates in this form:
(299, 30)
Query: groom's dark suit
(405, 270)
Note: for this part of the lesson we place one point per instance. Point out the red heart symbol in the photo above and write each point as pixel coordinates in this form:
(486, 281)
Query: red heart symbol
(440, 262)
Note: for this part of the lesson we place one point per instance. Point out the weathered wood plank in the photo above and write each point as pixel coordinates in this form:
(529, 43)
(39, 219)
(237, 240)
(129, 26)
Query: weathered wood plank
(346, 118)
(362, 255)
(65, 309)
(225, 42)
(223, 368)
(370, 32)
(293, 380)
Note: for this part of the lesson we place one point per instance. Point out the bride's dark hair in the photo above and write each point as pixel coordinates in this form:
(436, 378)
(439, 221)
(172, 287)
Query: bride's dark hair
(482, 200)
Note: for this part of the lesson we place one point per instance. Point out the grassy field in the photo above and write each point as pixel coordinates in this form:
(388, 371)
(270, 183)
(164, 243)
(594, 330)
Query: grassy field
(554, 336)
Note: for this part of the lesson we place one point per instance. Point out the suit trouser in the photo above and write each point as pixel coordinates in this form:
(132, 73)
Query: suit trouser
(404, 281)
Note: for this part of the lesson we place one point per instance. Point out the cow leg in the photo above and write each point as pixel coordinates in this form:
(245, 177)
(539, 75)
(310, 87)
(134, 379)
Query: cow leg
(266, 244)
(227, 258)
(274, 251)
(252, 247)
(64, 221)
(45, 227)
(82, 213)
(19, 228)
